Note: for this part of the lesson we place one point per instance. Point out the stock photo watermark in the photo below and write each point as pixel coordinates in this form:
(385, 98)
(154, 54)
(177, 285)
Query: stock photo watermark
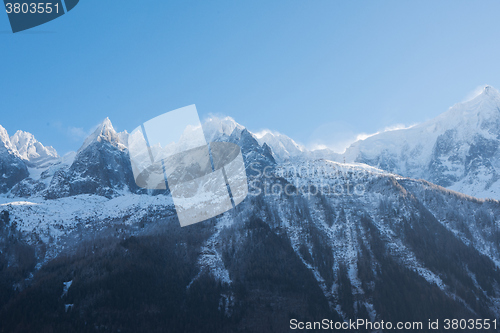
(307, 179)
(170, 151)
(24, 15)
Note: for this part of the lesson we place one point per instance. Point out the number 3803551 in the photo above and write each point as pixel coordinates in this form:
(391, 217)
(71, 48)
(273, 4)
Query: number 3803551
(32, 8)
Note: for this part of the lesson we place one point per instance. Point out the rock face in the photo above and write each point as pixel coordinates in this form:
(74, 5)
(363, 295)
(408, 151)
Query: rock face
(458, 150)
(101, 166)
(256, 156)
(12, 167)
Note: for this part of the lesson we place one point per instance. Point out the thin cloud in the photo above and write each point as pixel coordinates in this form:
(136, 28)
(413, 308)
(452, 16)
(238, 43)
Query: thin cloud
(263, 132)
(348, 138)
(77, 133)
(474, 93)
(72, 132)
(317, 146)
(397, 127)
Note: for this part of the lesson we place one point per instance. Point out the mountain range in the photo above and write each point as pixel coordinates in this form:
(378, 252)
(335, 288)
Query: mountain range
(397, 232)
(458, 150)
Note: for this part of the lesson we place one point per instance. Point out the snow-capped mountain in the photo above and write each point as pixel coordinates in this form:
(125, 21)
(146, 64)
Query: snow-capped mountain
(283, 147)
(216, 128)
(31, 150)
(23, 158)
(12, 167)
(105, 132)
(257, 156)
(458, 149)
(101, 166)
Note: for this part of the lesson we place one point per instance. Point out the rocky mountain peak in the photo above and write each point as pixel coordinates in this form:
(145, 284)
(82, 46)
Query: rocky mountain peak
(30, 149)
(12, 167)
(215, 128)
(4, 136)
(5, 143)
(458, 149)
(490, 91)
(105, 132)
(282, 146)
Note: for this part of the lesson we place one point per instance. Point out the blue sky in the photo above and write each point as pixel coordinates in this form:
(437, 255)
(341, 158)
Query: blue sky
(319, 71)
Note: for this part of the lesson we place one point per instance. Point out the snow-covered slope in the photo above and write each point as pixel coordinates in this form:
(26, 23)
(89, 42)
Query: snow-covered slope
(52, 220)
(458, 149)
(40, 176)
(354, 207)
